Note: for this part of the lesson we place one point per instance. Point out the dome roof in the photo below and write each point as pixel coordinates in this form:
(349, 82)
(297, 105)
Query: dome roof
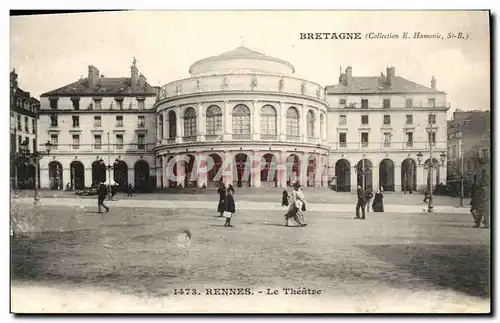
(241, 53)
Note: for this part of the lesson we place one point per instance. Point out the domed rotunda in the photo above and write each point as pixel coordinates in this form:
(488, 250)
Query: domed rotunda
(241, 118)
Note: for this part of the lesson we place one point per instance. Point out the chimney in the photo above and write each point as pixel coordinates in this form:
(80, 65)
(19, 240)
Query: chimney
(433, 83)
(142, 81)
(13, 79)
(93, 76)
(348, 76)
(391, 75)
(134, 74)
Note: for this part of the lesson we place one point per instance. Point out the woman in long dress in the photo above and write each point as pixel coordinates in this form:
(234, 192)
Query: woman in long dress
(378, 202)
(284, 198)
(222, 199)
(295, 215)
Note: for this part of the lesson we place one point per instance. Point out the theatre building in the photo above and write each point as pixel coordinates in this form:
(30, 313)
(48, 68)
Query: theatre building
(245, 110)
(101, 129)
(380, 129)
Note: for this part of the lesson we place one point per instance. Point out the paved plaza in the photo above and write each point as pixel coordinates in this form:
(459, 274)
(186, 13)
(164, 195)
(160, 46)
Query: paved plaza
(136, 256)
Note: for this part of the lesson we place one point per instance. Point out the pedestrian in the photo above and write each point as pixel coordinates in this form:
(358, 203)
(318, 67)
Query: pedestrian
(426, 196)
(369, 196)
(404, 188)
(101, 196)
(230, 207)
(378, 201)
(284, 198)
(479, 207)
(297, 208)
(129, 190)
(230, 188)
(222, 199)
(361, 202)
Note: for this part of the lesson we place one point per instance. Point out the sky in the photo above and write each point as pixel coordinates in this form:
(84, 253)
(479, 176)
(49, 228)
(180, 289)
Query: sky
(50, 51)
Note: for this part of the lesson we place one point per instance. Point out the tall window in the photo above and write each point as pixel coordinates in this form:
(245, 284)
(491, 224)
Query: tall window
(364, 119)
(160, 126)
(26, 124)
(409, 139)
(53, 120)
(432, 103)
(97, 121)
(454, 151)
(119, 141)
(342, 103)
(292, 122)
(76, 141)
(33, 125)
(268, 120)
(189, 122)
(119, 121)
(97, 141)
(76, 121)
(119, 104)
(54, 140)
(387, 139)
(311, 120)
(364, 139)
(141, 121)
(387, 119)
(19, 142)
(214, 120)
(241, 119)
(172, 125)
(432, 138)
(432, 118)
(97, 104)
(387, 103)
(342, 139)
(409, 103)
(409, 119)
(342, 119)
(19, 125)
(364, 103)
(140, 103)
(76, 103)
(53, 104)
(141, 141)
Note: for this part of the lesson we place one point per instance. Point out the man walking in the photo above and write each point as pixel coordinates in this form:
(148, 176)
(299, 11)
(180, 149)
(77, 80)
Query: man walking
(361, 203)
(101, 196)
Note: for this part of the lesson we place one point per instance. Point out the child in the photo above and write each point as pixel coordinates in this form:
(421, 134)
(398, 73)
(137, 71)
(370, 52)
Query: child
(284, 199)
(230, 208)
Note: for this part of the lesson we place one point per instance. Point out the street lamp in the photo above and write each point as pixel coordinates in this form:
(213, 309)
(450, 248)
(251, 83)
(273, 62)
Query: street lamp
(33, 159)
(109, 168)
(430, 167)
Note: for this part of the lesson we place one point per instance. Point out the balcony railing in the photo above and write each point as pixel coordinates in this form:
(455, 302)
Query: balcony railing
(241, 136)
(292, 138)
(213, 137)
(268, 137)
(189, 139)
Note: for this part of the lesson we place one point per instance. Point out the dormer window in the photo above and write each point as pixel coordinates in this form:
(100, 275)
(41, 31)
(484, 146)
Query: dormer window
(53, 104)
(76, 103)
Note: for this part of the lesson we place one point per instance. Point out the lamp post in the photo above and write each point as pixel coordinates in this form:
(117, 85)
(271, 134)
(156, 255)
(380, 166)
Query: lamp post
(430, 167)
(109, 168)
(33, 159)
(459, 135)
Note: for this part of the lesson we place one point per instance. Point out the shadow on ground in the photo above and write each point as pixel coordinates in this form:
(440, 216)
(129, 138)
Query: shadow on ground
(463, 268)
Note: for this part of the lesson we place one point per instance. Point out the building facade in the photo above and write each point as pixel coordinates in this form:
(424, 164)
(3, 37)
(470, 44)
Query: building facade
(243, 118)
(469, 138)
(23, 122)
(101, 129)
(379, 125)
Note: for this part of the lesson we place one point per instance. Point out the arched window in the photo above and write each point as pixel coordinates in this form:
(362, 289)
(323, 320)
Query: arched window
(310, 123)
(189, 122)
(160, 126)
(172, 125)
(19, 102)
(214, 120)
(292, 121)
(241, 119)
(268, 120)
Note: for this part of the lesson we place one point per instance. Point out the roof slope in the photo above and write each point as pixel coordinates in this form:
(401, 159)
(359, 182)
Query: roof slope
(378, 85)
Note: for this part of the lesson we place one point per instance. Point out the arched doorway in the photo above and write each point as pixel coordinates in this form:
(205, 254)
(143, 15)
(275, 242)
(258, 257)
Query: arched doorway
(190, 179)
(242, 171)
(367, 171)
(141, 176)
(343, 175)
(292, 170)
(98, 172)
(55, 176)
(409, 175)
(171, 172)
(77, 171)
(386, 175)
(311, 170)
(435, 173)
(120, 174)
(268, 173)
(214, 164)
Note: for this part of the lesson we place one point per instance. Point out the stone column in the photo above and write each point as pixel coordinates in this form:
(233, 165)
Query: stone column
(181, 171)
(165, 126)
(303, 169)
(317, 134)
(281, 122)
(281, 169)
(303, 124)
(375, 177)
(354, 175)
(227, 164)
(66, 176)
(227, 123)
(88, 176)
(178, 125)
(255, 168)
(200, 120)
(255, 120)
(158, 168)
(397, 177)
(202, 170)
(318, 172)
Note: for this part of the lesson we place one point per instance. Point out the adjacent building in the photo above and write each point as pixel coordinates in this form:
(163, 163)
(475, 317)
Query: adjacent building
(378, 126)
(23, 122)
(101, 129)
(469, 137)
